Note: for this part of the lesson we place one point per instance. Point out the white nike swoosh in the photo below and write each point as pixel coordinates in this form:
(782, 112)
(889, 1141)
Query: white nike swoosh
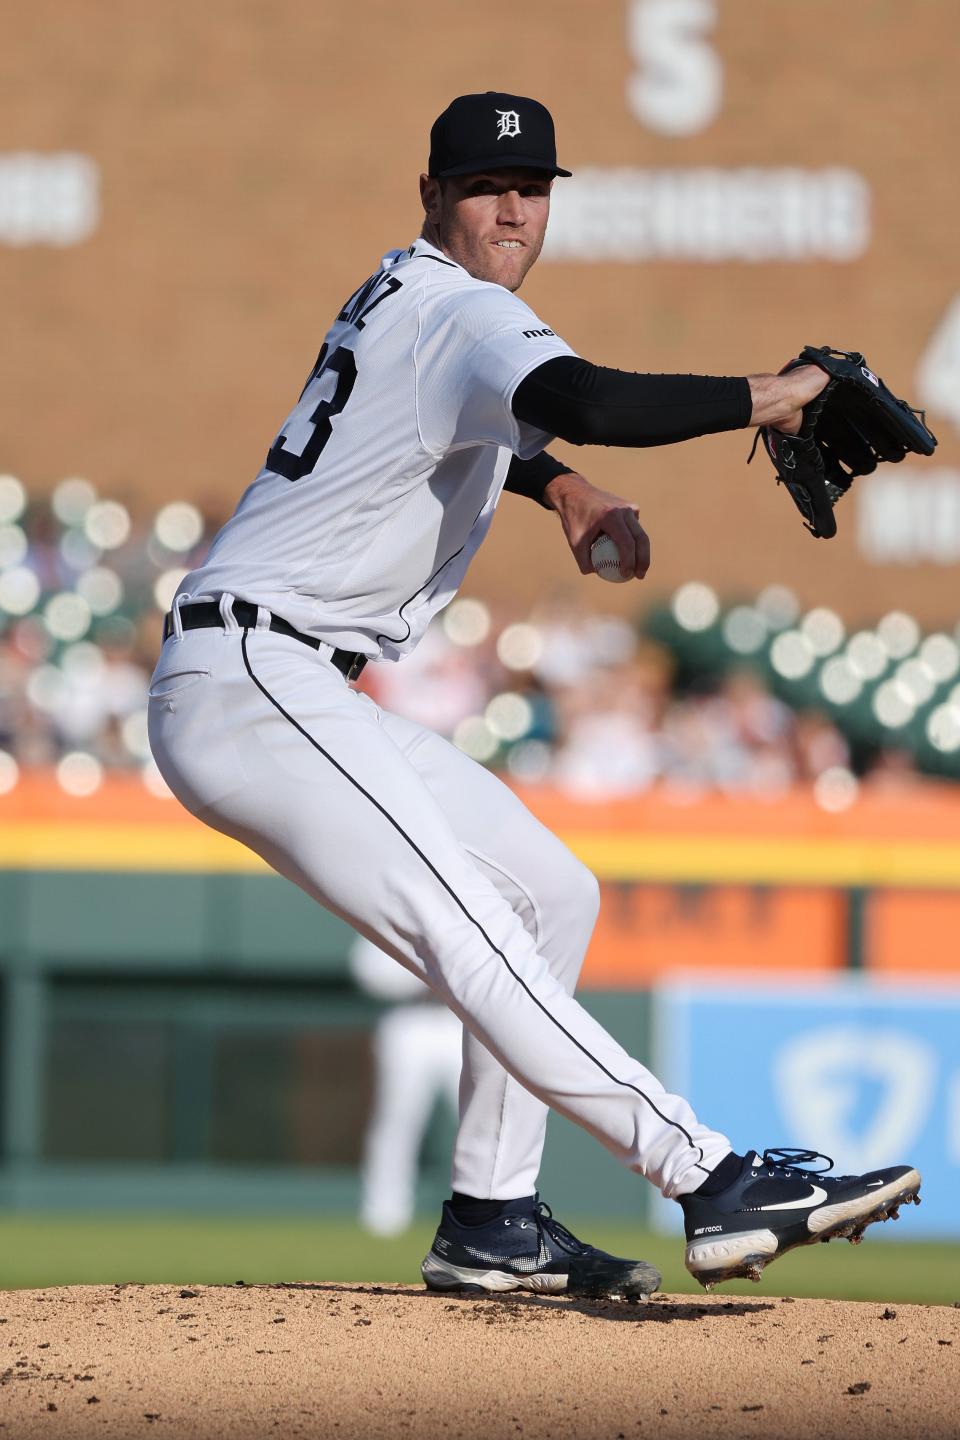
(806, 1202)
(871, 1183)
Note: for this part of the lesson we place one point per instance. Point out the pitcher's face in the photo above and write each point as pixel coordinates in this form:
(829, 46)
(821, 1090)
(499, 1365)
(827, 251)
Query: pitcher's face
(492, 223)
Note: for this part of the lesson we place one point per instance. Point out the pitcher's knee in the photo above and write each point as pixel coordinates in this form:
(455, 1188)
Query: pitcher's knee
(589, 893)
(577, 894)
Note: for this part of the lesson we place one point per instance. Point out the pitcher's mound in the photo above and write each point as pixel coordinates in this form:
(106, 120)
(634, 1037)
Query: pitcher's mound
(360, 1362)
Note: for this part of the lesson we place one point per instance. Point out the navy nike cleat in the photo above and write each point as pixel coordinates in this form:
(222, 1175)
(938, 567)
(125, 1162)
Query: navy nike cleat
(529, 1250)
(778, 1201)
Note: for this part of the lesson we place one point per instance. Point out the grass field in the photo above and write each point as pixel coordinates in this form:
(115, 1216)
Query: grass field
(72, 1249)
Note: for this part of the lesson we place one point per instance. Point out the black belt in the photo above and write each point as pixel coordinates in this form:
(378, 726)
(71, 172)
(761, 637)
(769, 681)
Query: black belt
(206, 615)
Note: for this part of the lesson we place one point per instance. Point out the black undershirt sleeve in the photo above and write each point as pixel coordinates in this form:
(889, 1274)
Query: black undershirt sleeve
(591, 405)
(531, 477)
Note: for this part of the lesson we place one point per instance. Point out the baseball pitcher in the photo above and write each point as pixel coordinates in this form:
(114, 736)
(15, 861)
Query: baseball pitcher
(435, 389)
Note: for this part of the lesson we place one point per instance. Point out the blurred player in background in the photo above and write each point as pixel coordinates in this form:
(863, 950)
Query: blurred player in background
(417, 1045)
(435, 388)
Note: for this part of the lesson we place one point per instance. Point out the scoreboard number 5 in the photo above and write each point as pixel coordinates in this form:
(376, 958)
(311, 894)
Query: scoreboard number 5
(677, 85)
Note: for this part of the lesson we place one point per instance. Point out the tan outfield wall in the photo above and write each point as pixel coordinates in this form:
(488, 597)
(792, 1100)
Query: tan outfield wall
(248, 162)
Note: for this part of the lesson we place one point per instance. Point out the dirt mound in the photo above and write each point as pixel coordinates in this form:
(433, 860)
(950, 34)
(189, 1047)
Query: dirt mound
(374, 1361)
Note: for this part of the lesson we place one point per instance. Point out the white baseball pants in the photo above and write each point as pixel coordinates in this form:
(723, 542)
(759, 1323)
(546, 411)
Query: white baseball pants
(435, 860)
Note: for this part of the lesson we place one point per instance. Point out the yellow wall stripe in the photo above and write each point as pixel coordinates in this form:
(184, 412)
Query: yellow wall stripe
(671, 859)
(117, 846)
(775, 861)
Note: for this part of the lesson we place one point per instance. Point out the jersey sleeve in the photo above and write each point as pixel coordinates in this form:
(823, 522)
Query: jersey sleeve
(474, 348)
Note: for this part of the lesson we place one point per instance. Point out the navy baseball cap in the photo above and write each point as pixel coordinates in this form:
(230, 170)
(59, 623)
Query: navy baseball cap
(493, 132)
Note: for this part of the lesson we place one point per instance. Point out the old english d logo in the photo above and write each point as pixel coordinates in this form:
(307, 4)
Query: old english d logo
(865, 1092)
(508, 123)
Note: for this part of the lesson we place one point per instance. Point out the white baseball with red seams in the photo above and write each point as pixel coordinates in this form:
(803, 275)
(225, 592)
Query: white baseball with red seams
(605, 559)
(376, 494)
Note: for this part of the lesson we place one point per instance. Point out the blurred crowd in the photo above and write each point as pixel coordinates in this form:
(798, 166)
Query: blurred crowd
(584, 701)
(589, 702)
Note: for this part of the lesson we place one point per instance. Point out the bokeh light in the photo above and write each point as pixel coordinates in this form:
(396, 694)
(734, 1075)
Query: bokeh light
(867, 655)
(943, 728)
(133, 733)
(941, 654)
(835, 789)
(695, 606)
(778, 606)
(893, 705)
(13, 545)
(77, 551)
(79, 774)
(520, 646)
(839, 682)
(899, 633)
(744, 630)
(107, 524)
(83, 663)
(916, 679)
(466, 622)
(13, 499)
(67, 616)
(530, 761)
(9, 772)
(19, 590)
(475, 738)
(509, 716)
(165, 588)
(824, 630)
(101, 588)
(791, 655)
(72, 499)
(45, 687)
(178, 526)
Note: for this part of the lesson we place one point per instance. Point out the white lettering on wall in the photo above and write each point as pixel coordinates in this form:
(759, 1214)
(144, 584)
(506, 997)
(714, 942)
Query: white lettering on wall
(677, 86)
(48, 199)
(710, 215)
(938, 373)
(908, 517)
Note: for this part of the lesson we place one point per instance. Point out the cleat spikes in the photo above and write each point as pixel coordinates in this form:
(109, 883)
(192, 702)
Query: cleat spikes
(731, 1236)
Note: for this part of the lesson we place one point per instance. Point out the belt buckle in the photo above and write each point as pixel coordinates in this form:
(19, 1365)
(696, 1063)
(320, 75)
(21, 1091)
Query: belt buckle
(356, 666)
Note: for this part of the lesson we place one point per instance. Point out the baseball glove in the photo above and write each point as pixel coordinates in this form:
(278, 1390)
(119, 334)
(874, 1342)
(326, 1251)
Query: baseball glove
(852, 425)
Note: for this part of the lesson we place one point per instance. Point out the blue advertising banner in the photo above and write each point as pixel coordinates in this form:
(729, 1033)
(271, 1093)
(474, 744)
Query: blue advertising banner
(867, 1072)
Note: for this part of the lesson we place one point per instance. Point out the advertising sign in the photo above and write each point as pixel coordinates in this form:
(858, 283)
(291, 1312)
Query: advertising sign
(868, 1073)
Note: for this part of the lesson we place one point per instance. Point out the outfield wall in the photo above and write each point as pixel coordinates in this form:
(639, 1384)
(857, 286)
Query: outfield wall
(189, 192)
(181, 1030)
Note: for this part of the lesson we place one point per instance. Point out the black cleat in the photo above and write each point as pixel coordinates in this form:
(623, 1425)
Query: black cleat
(529, 1250)
(778, 1202)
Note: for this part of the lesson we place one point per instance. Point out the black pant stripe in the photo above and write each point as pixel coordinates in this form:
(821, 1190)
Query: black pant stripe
(626, 1084)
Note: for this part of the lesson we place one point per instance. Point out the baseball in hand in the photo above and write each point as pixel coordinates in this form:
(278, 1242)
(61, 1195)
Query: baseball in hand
(606, 561)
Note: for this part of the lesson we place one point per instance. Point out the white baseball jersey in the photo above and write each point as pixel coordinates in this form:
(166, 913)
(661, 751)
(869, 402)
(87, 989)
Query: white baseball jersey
(383, 481)
(361, 525)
